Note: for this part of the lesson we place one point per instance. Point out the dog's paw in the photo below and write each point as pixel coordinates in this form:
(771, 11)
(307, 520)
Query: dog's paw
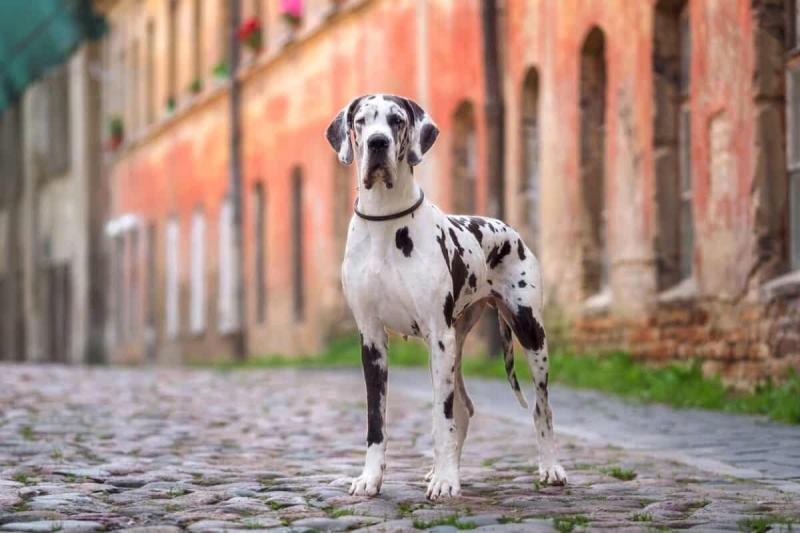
(552, 475)
(443, 486)
(429, 475)
(366, 485)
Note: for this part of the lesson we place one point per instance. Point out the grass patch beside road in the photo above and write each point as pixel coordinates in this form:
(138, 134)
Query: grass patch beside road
(679, 385)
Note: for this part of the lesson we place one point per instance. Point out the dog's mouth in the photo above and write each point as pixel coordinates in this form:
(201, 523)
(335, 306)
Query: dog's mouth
(377, 172)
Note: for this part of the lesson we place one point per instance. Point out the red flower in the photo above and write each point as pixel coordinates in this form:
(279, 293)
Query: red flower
(248, 28)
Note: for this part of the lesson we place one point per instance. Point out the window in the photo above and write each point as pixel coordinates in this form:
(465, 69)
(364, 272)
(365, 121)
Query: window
(298, 289)
(172, 254)
(592, 163)
(150, 74)
(224, 31)
(793, 152)
(228, 319)
(150, 265)
(342, 206)
(49, 118)
(672, 142)
(197, 305)
(465, 167)
(58, 115)
(260, 222)
(172, 59)
(134, 79)
(529, 182)
(134, 293)
(119, 287)
(197, 49)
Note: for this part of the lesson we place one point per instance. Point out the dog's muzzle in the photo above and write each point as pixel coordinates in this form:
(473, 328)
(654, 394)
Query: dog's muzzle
(378, 167)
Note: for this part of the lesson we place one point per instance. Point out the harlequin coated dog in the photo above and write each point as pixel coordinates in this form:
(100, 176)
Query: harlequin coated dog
(411, 269)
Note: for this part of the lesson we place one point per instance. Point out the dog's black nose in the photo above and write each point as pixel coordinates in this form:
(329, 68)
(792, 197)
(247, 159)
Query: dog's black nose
(377, 143)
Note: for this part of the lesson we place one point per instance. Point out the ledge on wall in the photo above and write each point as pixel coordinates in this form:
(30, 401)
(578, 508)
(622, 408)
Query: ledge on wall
(786, 285)
(683, 291)
(599, 303)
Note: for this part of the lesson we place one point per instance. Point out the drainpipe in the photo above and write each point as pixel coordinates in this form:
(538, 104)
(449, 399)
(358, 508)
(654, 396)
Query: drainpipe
(494, 112)
(235, 186)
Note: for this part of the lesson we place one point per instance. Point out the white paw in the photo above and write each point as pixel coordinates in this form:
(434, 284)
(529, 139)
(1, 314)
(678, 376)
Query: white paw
(443, 486)
(552, 475)
(429, 475)
(366, 485)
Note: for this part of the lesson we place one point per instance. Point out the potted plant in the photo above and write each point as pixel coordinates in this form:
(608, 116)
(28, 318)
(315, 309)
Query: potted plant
(116, 132)
(292, 12)
(250, 34)
(196, 86)
(221, 69)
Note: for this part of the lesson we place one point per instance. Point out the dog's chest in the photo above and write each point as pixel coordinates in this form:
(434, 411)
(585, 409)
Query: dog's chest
(393, 273)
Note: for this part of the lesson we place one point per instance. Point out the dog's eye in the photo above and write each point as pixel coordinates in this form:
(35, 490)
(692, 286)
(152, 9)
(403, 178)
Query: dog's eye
(396, 120)
(360, 122)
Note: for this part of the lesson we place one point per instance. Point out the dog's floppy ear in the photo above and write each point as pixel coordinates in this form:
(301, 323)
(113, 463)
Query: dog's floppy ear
(424, 132)
(338, 132)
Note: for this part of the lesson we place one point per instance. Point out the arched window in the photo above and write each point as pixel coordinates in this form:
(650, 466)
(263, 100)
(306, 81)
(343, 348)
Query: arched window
(776, 188)
(342, 206)
(672, 142)
(592, 162)
(298, 288)
(529, 184)
(260, 259)
(465, 167)
(197, 301)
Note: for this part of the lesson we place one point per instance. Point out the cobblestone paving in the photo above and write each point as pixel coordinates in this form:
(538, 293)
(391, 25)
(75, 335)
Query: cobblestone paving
(166, 450)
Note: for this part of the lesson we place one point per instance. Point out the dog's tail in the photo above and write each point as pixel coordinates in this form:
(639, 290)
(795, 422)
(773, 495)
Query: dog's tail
(507, 342)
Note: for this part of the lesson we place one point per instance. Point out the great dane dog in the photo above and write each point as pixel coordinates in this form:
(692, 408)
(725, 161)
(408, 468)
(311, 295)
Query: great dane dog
(411, 269)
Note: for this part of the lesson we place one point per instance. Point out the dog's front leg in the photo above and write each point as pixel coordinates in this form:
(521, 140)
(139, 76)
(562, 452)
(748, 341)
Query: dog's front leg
(445, 480)
(374, 361)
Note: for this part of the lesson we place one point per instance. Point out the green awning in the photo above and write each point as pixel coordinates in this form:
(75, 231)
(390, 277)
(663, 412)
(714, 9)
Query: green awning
(38, 34)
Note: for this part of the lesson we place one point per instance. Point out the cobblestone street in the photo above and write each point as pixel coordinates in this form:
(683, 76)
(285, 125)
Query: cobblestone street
(163, 450)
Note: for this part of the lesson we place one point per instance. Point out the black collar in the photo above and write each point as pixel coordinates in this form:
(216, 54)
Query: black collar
(381, 218)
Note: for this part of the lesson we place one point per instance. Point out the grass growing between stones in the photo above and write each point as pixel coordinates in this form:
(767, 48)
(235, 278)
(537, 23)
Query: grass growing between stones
(678, 385)
(565, 524)
(623, 474)
(762, 524)
(452, 520)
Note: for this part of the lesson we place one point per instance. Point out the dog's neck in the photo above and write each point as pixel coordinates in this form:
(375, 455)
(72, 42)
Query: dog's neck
(380, 200)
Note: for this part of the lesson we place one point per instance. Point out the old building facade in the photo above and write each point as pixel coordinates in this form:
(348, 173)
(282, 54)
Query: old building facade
(52, 213)
(650, 162)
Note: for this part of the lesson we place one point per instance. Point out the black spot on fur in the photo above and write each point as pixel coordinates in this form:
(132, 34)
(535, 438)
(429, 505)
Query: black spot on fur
(457, 222)
(441, 345)
(522, 283)
(375, 377)
(520, 250)
(449, 307)
(474, 227)
(415, 327)
(403, 241)
(441, 240)
(497, 254)
(473, 281)
(529, 332)
(458, 273)
(448, 406)
(455, 242)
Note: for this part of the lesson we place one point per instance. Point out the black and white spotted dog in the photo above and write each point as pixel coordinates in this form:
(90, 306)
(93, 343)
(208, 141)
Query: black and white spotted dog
(411, 269)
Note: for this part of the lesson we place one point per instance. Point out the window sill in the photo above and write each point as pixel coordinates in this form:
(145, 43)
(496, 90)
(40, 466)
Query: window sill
(785, 285)
(598, 303)
(683, 291)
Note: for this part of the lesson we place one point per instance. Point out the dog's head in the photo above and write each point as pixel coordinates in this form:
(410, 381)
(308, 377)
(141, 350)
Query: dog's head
(383, 132)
